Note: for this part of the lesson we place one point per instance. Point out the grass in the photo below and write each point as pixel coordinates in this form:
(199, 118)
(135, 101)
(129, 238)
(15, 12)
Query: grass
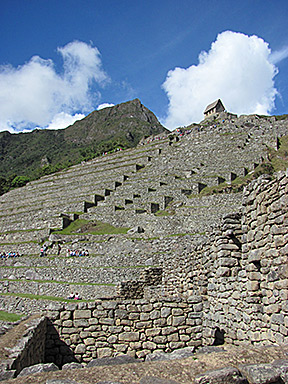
(279, 159)
(162, 213)
(22, 230)
(240, 182)
(11, 317)
(93, 228)
(281, 117)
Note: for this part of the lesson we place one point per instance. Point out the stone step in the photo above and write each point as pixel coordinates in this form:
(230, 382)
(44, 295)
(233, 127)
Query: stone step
(20, 236)
(104, 275)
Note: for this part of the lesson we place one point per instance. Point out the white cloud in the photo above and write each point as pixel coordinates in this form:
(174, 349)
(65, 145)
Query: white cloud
(237, 69)
(278, 56)
(104, 105)
(62, 120)
(34, 93)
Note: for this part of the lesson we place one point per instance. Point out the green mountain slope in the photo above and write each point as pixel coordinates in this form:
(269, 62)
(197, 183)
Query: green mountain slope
(44, 151)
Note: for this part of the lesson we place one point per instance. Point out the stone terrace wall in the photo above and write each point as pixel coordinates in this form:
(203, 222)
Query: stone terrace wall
(136, 327)
(28, 350)
(247, 289)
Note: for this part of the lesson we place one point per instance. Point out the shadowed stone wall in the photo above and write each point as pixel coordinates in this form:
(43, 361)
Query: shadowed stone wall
(135, 327)
(28, 350)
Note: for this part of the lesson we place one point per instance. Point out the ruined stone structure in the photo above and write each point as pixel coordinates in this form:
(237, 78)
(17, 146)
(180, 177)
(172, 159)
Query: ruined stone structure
(191, 270)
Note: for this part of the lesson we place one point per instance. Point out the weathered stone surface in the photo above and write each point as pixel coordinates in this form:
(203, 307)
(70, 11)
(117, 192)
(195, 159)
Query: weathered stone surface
(49, 367)
(229, 375)
(61, 381)
(260, 374)
(156, 380)
(121, 359)
(72, 365)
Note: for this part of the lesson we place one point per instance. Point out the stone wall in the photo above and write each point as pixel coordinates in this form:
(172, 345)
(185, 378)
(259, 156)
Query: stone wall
(230, 285)
(28, 350)
(136, 327)
(247, 286)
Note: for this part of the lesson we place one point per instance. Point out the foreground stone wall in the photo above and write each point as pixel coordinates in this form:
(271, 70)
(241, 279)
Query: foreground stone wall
(247, 288)
(83, 331)
(28, 350)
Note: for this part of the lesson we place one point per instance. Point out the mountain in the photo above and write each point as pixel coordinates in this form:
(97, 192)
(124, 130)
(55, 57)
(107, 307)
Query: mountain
(44, 151)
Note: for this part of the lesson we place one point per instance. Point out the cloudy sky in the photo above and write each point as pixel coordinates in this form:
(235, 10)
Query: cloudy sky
(60, 60)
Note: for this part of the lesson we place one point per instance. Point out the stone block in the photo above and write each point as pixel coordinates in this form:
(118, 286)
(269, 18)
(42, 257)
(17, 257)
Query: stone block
(160, 322)
(149, 345)
(115, 329)
(277, 318)
(283, 330)
(165, 312)
(106, 321)
(261, 373)
(121, 313)
(134, 316)
(81, 323)
(184, 337)
(273, 308)
(67, 323)
(82, 314)
(68, 331)
(173, 337)
(112, 339)
(147, 308)
(160, 340)
(255, 255)
(152, 332)
(281, 284)
(129, 336)
(177, 312)
(197, 307)
(155, 314)
(228, 375)
(176, 344)
(109, 304)
(89, 341)
(121, 348)
(65, 315)
(75, 338)
(132, 308)
(84, 334)
(104, 352)
(253, 285)
(93, 321)
(280, 240)
(223, 271)
(101, 344)
(144, 316)
(178, 320)
(143, 324)
(80, 349)
(193, 299)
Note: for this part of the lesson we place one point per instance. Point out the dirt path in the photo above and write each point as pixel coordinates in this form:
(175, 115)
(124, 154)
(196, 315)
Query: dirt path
(182, 371)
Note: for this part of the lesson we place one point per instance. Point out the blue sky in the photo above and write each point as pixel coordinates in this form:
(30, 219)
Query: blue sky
(60, 60)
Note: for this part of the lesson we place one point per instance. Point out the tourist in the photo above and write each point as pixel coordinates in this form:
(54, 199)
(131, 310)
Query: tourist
(71, 296)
